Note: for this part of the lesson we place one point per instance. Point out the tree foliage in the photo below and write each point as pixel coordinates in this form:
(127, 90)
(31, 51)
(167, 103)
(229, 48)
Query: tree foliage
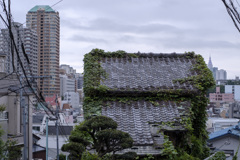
(2, 107)
(219, 156)
(8, 149)
(99, 133)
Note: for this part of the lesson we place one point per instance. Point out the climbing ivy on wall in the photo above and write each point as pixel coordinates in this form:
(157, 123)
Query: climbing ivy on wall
(97, 95)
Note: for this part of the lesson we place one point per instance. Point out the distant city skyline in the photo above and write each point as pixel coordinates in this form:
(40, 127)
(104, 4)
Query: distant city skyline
(147, 26)
(218, 74)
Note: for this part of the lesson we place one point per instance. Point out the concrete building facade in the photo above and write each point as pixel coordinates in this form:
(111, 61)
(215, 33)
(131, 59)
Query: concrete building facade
(234, 89)
(234, 110)
(221, 75)
(221, 97)
(79, 81)
(71, 98)
(66, 84)
(46, 22)
(68, 69)
(217, 74)
(29, 39)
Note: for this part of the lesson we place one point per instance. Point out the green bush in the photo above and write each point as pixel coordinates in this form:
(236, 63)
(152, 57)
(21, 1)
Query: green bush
(218, 156)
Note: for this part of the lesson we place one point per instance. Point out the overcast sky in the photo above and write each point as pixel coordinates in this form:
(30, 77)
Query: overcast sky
(158, 26)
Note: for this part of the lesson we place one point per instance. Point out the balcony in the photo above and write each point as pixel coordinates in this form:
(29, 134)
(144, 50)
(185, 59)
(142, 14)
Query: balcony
(4, 115)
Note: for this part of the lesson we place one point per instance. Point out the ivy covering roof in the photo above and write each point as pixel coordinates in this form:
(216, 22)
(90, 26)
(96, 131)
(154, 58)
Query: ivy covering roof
(47, 8)
(137, 117)
(148, 95)
(147, 72)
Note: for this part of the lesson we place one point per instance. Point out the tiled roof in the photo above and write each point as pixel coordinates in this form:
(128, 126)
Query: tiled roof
(138, 118)
(37, 148)
(47, 8)
(64, 130)
(147, 73)
(3, 54)
(38, 118)
(142, 77)
(234, 130)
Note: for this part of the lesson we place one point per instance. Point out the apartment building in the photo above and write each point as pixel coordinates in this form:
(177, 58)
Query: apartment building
(22, 36)
(45, 21)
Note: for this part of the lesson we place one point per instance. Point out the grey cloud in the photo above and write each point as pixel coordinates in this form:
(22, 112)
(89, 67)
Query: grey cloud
(107, 25)
(151, 25)
(200, 44)
(86, 39)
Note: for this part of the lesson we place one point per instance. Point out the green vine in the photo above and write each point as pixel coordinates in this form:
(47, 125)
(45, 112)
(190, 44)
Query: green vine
(168, 149)
(97, 95)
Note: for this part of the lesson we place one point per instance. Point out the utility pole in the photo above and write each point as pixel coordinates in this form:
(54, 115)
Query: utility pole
(23, 106)
(56, 124)
(47, 138)
(57, 116)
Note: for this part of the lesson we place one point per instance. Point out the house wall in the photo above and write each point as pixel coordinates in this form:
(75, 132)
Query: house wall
(234, 89)
(14, 114)
(72, 98)
(234, 110)
(237, 92)
(15, 125)
(221, 97)
(226, 143)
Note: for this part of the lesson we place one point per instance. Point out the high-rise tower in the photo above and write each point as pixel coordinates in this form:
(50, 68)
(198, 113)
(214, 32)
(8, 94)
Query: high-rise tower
(25, 36)
(210, 65)
(45, 21)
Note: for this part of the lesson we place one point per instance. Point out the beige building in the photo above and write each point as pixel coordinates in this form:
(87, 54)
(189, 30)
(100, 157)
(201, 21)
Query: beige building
(45, 21)
(11, 118)
(221, 97)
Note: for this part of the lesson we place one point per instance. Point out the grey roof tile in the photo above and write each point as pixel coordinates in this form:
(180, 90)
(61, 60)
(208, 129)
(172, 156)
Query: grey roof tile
(146, 73)
(135, 118)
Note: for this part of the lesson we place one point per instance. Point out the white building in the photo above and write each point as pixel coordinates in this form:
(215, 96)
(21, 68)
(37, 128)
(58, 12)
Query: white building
(234, 89)
(67, 84)
(221, 75)
(71, 98)
(29, 39)
(68, 69)
(217, 124)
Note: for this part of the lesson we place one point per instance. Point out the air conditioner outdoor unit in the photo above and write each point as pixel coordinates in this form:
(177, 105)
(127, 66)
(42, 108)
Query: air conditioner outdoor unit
(5, 114)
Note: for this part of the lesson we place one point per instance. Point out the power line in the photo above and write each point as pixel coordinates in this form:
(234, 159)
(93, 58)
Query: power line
(47, 9)
(6, 76)
(40, 99)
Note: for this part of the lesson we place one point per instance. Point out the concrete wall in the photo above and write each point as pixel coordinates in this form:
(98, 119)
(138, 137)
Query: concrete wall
(228, 88)
(221, 97)
(237, 92)
(66, 84)
(235, 89)
(13, 108)
(15, 125)
(72, 98)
